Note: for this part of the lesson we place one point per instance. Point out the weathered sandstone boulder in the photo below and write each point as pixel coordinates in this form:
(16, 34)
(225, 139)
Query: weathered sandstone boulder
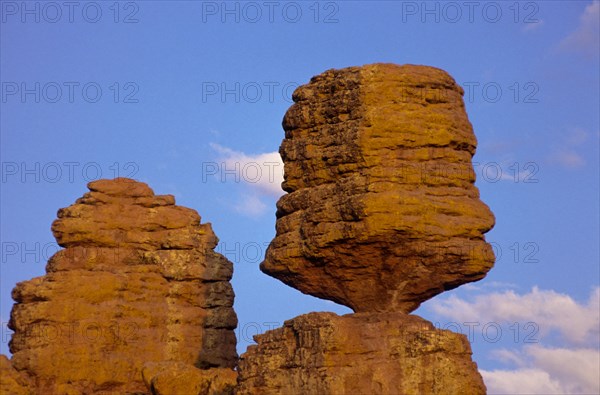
(137, 282)
(382, 212)
(362, 353)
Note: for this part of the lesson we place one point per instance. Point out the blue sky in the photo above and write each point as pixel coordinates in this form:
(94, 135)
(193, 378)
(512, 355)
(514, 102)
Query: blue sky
(179, 93)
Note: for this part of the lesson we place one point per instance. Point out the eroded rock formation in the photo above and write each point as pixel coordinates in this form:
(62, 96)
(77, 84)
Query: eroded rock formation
(137, 282)
(362, 353)
(382, 212)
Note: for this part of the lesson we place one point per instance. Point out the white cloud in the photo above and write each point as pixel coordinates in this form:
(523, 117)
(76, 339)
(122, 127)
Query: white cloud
(537, 369)
(586, 37)
(544, 370)
(576, 369)
(524, 381)
(550, 310)
(263, 172)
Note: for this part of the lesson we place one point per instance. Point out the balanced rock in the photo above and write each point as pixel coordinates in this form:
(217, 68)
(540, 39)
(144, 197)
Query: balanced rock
(362, 353)
(138, 281)
(382, 212)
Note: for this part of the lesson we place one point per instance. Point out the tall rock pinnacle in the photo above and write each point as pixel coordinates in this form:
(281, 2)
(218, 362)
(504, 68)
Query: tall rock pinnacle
(382, 212)
(138, 282)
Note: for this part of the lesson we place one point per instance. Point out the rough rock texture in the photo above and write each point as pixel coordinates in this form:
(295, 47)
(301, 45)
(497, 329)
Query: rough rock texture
(11, 381)
(138, 281)
(177, 378)
(382, 212)
(363, 353)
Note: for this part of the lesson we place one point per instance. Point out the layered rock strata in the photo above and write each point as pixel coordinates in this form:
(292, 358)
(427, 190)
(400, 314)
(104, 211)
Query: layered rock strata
(138, 281)
(362, 353)
(382, 212)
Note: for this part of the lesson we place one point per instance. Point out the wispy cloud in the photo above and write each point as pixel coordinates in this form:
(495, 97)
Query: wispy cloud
(569, 367)
(577, 136)
(567, 155)
(529, 27)
(585, 39)
(569, 158)
(488, 285)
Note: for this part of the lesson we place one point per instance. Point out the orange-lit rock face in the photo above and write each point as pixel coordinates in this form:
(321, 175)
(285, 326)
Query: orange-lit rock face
(362, 353)
(11, 381)
(174, 378)
(382, 211)
(137, 282)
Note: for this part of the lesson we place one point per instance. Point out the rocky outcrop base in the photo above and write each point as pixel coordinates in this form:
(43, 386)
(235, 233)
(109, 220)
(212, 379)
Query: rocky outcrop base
(363, 353)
